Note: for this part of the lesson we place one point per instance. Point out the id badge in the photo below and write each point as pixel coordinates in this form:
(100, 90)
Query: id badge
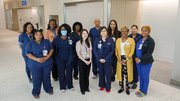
(70, 42)
(45, 52)
(87, 56)
(99, 46)
(140, 46)
(114, 39)
(126, 43)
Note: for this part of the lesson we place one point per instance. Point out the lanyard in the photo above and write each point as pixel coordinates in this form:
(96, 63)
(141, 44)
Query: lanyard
(54, 32)
(30, 37)
(85, 47)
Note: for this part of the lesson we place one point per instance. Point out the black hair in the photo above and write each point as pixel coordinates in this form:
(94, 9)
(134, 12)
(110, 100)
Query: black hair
(67, 27)
(81, 38)
(116, 32)
(74, 26)
(50, 22)
(134, 26)
(103, 27)
(25, 27)
(41, 31)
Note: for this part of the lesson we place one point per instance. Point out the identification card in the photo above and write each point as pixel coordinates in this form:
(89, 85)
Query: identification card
(45, 52)
(99, 46)
(114, 39)
(70, 42)
(87, 56)
(140, 46)
(126, 43)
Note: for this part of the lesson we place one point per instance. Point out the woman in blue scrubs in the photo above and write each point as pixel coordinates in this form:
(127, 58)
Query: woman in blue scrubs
(64, 47)
(135, 35)
(144, 59)
(104, 50)
(114, 33)
(40, 62)
(24, 38)
(77, 27)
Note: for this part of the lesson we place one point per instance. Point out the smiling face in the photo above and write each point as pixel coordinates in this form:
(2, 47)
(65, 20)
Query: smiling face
(38, 36)
(134, 30)
(84, 35)
(144, 32)
(124, 33)
(52, 24)
(113, 25)
(29, 29)
(104, 33)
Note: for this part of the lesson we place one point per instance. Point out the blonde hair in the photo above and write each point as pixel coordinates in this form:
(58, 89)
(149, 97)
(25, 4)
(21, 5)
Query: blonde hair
(148, 28)
(125, 29)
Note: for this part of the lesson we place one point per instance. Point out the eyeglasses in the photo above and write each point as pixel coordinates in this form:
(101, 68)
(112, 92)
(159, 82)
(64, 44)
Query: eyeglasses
(103, 31)
(123, 31)
(77, 26)
(63, 30)
(143, 30)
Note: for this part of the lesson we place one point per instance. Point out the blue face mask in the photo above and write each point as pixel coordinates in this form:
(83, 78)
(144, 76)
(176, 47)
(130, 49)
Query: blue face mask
(64, 33)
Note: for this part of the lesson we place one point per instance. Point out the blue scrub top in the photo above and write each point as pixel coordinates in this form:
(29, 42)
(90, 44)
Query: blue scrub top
(94, 34)
(139, 51)
(136, 37)
(106, 51)
(75, 36)
(23, 38)
(63, 49)
(37, 50)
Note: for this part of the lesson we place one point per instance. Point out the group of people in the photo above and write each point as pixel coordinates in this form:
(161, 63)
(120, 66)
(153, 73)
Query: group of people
(108, 50)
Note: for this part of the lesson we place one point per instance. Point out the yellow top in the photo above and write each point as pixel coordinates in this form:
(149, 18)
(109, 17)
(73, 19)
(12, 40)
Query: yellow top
(129, 51)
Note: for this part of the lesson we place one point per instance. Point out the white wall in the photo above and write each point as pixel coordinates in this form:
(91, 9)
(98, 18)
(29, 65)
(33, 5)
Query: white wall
(176, 64)
(161, 16)
(9, 22)
(85, 13)
(27, 15)
(2, 15)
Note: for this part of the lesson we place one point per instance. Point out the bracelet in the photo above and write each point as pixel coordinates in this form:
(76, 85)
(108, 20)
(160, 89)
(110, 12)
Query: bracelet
(139, 60)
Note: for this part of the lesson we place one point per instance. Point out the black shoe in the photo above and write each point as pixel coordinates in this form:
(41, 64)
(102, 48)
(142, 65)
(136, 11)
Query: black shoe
(83, 93)
(76, 78)
(112, 78)
(127, 92)
(87, 90)
(134, 86)
(121, 90)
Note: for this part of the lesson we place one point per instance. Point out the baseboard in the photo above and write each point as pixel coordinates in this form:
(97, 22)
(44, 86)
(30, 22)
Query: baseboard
(174, 82)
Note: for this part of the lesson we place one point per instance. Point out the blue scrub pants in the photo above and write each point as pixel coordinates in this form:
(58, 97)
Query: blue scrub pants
(28, 72)
(135, 72)
(41, 75)
(144, 71)
(105, 75)
(75, 65)
(65, 74)
(94, 66)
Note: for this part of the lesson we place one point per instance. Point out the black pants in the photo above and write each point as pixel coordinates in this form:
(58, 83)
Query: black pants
(114, 64)
(84, 75)
(124, 73)
(54, 71)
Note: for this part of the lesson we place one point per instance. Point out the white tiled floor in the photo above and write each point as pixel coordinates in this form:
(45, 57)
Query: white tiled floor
(14, 85)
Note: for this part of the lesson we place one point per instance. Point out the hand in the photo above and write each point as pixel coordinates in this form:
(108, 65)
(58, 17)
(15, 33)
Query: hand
(40, 60)
(45, 59)
(124, 61)
(137, 60)
(86, 62)
(102, 60)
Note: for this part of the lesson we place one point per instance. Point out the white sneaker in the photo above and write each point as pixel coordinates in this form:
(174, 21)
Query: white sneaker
(94, 76)
(71, 89)
(63, 90)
